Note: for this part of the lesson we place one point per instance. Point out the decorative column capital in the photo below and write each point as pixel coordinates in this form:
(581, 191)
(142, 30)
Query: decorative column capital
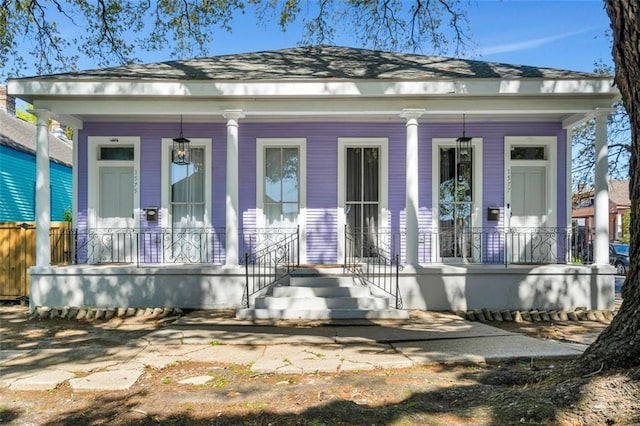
(412, 113)
(233, 115)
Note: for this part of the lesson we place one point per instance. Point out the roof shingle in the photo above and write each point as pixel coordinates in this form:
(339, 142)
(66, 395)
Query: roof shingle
(321, 62)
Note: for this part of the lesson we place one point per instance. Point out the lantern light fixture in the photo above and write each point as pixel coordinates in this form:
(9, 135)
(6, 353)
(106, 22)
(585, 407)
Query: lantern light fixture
(463, 146)
(181, 148)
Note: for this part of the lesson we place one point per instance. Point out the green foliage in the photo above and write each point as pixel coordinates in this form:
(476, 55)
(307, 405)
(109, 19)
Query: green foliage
(626, 227)
(67, 215)
(26, 116)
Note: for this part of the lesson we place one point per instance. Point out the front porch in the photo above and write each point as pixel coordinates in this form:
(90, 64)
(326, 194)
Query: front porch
(493, 269)
(436, 287)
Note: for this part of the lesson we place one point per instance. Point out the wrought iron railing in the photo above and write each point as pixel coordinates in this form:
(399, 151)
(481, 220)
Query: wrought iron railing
(373, 259)
(206, 245)
(272, 255)
(496, 246)
(136, 246)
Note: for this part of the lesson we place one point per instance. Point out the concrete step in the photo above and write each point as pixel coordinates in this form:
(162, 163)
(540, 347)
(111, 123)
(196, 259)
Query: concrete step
(252, 313)
(316, 291)
(320, 281)
(321, 294)
(322, 303)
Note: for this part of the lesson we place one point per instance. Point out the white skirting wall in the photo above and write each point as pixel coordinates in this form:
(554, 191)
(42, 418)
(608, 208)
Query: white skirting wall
(435, 287)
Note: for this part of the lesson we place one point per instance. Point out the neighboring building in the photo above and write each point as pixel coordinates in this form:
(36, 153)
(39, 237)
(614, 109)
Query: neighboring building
(459, 168)
(18, 167)
(583, 211)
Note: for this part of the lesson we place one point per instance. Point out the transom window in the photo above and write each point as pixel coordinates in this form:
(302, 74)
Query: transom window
(528, 153)
(116, 153)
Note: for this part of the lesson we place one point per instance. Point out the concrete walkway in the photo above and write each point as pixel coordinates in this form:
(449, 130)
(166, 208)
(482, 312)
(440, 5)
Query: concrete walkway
(202, 336)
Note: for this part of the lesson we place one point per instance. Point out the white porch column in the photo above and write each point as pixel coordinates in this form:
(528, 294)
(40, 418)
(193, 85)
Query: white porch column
(231, 243)
(569, 181)
(43, 189)
(601, 243)
(412, 188)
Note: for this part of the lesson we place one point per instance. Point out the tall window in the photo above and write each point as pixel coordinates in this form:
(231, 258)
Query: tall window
(281, 201)
(362, 205)
(187, 199)
(455, 204)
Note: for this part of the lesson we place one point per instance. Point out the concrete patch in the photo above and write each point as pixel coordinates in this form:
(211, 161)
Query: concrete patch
(107, 380)
(482, 349)
(44, 380)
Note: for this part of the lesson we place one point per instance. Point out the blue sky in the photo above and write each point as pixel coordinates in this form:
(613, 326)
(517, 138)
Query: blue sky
(567, 34)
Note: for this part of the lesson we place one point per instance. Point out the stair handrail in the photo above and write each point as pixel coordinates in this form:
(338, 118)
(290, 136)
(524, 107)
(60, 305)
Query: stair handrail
(373, 262)
(270, 264)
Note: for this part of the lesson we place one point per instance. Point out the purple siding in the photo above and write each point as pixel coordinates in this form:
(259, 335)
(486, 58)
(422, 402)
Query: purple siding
(322, 146)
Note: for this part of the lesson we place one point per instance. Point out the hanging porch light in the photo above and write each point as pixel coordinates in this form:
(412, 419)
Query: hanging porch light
(463, 146)
(180, 153)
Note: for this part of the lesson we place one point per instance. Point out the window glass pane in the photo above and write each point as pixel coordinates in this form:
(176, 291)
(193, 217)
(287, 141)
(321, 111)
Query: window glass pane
(116, 153)
(455, 203)
(188, 190)
(273, 175)
(273, 213)
(354, 174)
(370, 178)
(290, 177)
(281, 185)
(528, 153)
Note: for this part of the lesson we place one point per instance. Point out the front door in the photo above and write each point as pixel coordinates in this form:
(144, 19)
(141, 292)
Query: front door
(532, 237)
(113, 204)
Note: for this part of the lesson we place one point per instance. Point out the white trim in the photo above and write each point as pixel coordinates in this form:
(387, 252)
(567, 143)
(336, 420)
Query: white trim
(477, 168)
(37, 88)
(93, 143)
(301, 144)
(551, 163)
(165, 211)
(343, 144)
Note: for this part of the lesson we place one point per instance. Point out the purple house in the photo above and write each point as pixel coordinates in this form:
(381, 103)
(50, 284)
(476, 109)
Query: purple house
(271, 180)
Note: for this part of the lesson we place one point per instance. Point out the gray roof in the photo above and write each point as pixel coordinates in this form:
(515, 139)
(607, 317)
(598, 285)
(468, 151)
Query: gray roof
(321, 62)
(21, 135)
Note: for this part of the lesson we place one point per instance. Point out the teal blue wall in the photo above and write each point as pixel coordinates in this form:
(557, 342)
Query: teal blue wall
(18, 182)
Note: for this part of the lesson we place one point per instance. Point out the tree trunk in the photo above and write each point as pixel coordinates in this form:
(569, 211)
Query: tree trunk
(619, 344)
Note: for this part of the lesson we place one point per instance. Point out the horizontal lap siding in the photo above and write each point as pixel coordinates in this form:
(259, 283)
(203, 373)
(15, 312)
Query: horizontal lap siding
(18, 182)
(322, 139)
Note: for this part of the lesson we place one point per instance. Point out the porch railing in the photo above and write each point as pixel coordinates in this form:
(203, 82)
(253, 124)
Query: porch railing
(274, 255)
(374, 259)
(498, 245)
(206, 245)
(136, 246)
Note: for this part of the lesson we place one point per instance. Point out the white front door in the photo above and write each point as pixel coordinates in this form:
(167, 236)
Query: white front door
(113, 200)
(532, 236)
(115, 208)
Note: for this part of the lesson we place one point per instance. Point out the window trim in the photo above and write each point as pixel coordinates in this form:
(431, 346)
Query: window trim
(93, 163)
(301, 144)
(551, 163)
(363, 142)
(477, 202)
(165, 205)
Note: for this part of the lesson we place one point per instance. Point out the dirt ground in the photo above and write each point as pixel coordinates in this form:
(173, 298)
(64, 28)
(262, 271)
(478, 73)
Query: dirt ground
(517, 392)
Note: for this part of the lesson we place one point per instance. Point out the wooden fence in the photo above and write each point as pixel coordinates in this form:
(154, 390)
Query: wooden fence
(17, 254)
